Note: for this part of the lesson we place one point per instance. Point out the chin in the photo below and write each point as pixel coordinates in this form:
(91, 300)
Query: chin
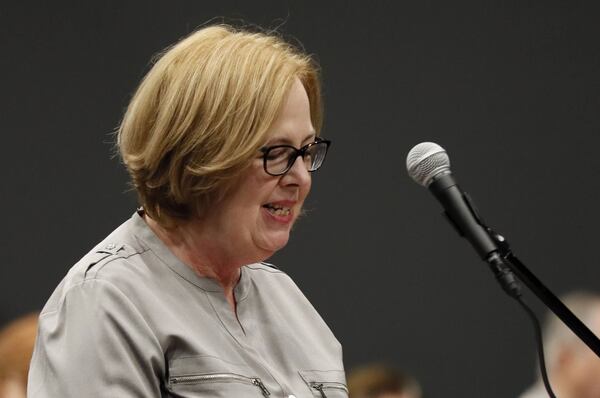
(276, 243)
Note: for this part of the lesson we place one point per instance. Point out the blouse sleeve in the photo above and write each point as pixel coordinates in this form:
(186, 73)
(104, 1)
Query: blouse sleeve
(95, 343)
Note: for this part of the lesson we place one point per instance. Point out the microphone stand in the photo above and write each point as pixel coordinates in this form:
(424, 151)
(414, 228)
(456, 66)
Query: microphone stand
(504, 261)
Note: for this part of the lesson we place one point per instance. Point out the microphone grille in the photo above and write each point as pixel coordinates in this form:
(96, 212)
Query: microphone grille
(425, 161)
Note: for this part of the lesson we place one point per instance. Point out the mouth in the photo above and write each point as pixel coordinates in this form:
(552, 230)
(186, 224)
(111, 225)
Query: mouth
(278, 210)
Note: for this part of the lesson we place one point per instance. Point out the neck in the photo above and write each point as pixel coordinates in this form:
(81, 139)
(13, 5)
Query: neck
(207, 257)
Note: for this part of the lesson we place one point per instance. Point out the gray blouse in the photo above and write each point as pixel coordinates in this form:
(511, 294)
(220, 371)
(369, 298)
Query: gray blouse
(131, 320)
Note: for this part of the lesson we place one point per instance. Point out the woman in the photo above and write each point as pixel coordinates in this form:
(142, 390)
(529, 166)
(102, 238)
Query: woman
(219, 139)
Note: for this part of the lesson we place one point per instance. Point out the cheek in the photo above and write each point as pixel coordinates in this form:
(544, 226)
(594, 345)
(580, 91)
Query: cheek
(259, 192)
(256, 188)
(306, 188)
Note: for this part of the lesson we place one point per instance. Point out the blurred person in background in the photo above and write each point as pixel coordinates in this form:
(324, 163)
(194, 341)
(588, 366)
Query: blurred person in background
(382, 381)
(220, 141)
(16, 346)
(573, 369)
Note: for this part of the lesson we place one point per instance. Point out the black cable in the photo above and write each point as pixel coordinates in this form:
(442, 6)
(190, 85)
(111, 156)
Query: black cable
(540, 345)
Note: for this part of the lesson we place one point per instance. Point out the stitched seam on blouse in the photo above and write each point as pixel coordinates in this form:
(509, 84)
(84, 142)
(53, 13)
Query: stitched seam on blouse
(209, 356)
(101, 264)
(269, 270)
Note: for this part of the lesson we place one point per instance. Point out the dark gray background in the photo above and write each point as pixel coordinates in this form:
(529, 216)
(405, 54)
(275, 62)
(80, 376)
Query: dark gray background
(510, 88)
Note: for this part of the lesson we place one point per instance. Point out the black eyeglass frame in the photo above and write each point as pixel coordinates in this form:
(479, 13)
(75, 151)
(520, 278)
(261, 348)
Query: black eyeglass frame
(292, 159)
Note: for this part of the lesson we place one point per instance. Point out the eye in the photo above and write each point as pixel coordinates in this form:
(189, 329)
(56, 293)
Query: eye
(277, 153)
(308, 155)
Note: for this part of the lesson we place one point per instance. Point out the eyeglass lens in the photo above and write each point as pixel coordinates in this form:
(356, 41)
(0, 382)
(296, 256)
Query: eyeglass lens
(280, 159)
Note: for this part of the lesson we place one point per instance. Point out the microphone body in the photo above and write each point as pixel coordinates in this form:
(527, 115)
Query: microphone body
(462, 214)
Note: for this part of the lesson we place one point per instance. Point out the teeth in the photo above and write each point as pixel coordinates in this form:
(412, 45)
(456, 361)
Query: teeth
(282, 212)
(279, 211)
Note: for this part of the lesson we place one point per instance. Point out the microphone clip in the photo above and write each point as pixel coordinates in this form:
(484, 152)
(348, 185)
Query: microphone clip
(498, 261)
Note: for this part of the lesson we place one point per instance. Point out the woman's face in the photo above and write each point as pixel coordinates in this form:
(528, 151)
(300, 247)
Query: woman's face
(256, 217)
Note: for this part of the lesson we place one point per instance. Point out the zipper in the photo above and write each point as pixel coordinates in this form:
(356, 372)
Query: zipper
(321, 387)
(216, 377)
(257, 382)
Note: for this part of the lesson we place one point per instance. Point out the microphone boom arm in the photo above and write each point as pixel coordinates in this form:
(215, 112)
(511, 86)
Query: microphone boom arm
(552, 302)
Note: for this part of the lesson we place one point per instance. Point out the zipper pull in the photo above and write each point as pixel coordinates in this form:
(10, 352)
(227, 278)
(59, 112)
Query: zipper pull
(257, 382)
(319, 388)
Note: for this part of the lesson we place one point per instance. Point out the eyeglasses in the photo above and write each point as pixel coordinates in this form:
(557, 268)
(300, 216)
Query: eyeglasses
(279, 159)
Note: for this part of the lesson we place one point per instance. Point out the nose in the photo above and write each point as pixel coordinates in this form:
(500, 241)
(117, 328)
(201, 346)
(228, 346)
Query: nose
(298, 174)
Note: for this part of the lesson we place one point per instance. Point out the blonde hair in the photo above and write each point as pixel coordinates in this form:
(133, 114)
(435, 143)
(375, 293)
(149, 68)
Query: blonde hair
(203, 111)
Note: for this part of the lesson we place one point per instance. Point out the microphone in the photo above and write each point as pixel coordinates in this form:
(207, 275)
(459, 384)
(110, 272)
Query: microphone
(428, 164)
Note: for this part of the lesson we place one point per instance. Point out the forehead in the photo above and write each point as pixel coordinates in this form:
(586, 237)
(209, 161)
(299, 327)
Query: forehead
(293, 124)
